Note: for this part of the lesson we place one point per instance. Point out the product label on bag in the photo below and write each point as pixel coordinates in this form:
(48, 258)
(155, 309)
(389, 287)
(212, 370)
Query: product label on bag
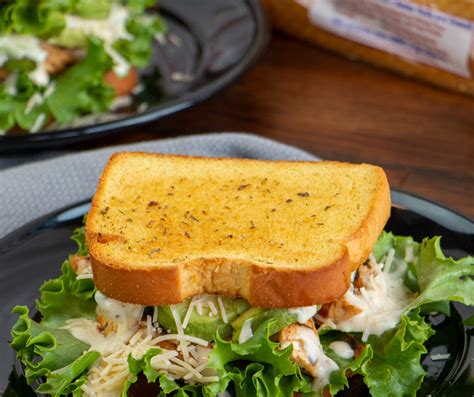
(400, 27)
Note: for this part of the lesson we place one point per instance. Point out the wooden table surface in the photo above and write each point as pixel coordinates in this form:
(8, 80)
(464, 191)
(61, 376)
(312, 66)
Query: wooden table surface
(341, 110)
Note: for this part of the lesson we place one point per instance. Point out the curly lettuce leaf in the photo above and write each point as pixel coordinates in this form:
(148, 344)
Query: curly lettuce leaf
(143, 28)
(395, 368)
(390, 363)
(43, 349)
(271, 373)
(69, 379)
(81, 88)
(66, 297)
(430, 273)
(441, 278)
(38, 17)
(79, 236)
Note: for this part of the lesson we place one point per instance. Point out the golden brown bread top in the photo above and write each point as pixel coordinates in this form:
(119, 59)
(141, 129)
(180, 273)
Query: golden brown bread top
(268, 231)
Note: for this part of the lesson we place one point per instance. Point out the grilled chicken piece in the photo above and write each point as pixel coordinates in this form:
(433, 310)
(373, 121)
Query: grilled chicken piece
(80, 263)
(364, 273)
(307, 350)
(58, 59)
(341, 309)
(105, 326)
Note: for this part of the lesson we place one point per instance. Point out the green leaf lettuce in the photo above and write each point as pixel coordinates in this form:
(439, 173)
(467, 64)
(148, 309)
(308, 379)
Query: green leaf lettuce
(55, 348)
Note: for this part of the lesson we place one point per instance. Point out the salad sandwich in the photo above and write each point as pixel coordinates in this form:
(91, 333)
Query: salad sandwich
(231, 277)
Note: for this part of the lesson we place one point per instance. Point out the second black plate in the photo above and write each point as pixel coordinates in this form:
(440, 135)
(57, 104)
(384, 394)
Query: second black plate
(208, 45)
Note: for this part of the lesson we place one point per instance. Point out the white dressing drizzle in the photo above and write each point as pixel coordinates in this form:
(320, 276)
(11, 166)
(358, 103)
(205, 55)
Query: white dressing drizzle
(303, 314)
(342, 349)
(246, 331)
(25, 47)
(125, 317)
(381, 300)
(109, 30)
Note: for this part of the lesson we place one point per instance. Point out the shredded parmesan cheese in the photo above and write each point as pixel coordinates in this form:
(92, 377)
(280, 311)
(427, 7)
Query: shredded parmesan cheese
(187, 316)
(178, 337)
(179, 327)
(388, 261)
(38, 123)
(213, 308)
(155, 315)
(222, 308)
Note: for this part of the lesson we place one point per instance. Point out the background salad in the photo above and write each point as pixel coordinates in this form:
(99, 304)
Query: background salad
(60, 60)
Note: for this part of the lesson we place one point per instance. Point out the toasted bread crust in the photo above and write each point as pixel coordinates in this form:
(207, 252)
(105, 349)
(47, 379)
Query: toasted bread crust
(262, 287)
(261, 284)
(361, 243)
(276, 288)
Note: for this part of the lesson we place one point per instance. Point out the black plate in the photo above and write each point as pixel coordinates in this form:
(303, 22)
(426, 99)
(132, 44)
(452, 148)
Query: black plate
(34, 253)
(214, 41)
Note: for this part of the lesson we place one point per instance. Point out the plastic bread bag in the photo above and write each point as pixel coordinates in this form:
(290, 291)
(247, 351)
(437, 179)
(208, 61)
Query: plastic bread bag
(425, 39)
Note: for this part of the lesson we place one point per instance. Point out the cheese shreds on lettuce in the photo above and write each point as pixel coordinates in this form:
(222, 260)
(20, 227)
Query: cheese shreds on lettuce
(254, 365)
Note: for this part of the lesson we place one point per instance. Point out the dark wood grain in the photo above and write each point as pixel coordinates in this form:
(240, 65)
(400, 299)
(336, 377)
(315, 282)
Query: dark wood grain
(343, 110)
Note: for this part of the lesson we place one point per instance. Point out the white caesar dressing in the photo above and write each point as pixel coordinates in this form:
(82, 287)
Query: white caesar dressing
(246, 332)
(381, 301)
(124, 316)
(109, 30)
(324, 368)
(342, 349)
(25, 47)
(303, 314)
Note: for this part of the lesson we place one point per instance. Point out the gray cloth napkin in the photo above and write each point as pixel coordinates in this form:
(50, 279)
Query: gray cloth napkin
(32, 190)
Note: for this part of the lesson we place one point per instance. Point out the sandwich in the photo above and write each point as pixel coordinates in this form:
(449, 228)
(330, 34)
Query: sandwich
(232, 277)
(63, 60)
